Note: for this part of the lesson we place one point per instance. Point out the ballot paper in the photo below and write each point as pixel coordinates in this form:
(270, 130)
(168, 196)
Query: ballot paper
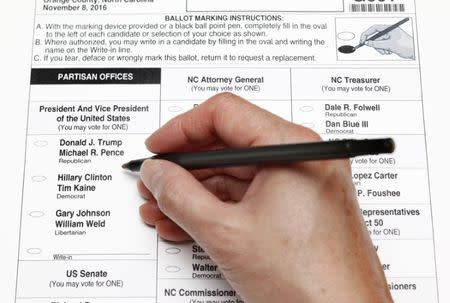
(106, 74)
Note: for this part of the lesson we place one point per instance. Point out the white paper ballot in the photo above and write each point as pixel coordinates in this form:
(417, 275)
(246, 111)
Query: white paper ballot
(106, 74)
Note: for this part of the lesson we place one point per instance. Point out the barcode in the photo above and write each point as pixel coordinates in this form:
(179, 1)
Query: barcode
(375, 8)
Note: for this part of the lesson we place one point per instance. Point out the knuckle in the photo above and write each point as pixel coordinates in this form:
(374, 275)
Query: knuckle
(222, 100)
(307, 134)
(226, 95)
(336, 170)
(337, 184)
(312, 135)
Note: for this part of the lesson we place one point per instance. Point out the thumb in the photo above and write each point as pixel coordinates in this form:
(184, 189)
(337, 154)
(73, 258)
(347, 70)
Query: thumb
(183, 199)
(380, 44)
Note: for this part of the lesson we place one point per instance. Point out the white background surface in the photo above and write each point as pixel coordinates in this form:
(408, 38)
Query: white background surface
(16, 28)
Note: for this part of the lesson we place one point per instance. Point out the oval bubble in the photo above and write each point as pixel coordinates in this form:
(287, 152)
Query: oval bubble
(308, 125)
(173, 269)
(175, 109)
(40, 143)
(173, 250)
(347, 49)
(346, 36)
(306, 109)
(34, 251)
(39, 178)
(36, 214)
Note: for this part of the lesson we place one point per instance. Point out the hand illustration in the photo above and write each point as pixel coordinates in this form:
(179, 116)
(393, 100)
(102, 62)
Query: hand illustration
(397, 41)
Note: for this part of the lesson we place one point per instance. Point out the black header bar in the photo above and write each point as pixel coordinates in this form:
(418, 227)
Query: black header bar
(95, 76)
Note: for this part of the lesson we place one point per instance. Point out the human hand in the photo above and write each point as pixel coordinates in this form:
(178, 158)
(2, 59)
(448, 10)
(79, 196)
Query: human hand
(397, 41)
(281, 233)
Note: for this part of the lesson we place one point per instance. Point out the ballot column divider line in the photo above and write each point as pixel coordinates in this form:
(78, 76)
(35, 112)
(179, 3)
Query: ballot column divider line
(25, 155)
(157, 236)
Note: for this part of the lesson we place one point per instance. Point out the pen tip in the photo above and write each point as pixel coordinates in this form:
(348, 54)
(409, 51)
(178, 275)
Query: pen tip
(125, 166)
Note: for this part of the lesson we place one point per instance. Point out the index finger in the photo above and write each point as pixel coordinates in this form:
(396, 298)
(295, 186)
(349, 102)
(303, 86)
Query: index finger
(229, 119)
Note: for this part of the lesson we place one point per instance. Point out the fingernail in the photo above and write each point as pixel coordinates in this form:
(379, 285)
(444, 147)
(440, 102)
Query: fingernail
(151, 175)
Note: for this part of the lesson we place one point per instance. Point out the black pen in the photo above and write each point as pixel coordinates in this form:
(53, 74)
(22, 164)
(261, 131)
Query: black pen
(274, 154)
